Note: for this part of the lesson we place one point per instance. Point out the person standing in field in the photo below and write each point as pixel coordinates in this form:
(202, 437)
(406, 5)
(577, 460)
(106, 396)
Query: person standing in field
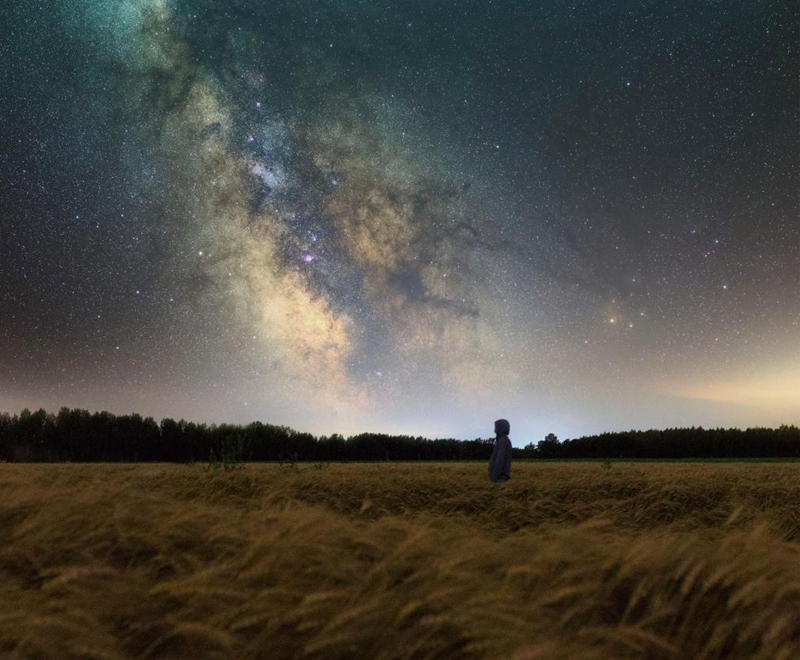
(500, 462)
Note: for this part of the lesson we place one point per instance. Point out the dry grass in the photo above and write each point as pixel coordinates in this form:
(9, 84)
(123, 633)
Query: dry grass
(400, 561)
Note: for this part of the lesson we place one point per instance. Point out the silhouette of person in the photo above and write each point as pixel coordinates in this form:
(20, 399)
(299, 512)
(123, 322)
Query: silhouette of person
(500, 462)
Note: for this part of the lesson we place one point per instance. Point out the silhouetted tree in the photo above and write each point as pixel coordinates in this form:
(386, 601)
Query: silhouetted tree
(77, 435)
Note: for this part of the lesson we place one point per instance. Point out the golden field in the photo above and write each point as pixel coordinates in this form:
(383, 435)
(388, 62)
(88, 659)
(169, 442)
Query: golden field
(581, 560)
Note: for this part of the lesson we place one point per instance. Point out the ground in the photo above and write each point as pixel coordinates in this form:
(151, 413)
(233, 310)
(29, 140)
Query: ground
(400, 560)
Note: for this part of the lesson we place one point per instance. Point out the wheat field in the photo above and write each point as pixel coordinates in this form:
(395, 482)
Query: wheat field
(582, 560)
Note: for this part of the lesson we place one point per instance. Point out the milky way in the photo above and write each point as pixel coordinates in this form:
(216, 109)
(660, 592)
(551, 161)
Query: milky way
(406, 217)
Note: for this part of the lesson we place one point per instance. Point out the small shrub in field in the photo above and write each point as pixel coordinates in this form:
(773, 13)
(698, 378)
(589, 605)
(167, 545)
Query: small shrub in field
(232, 454)
(288, 460)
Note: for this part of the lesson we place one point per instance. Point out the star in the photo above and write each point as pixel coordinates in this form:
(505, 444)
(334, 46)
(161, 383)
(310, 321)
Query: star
(357, 219)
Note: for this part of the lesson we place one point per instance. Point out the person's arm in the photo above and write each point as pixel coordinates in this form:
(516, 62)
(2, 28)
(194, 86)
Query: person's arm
(499, 458)
(509, 454)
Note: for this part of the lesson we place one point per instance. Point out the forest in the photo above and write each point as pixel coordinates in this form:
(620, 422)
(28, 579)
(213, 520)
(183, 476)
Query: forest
(77, 435)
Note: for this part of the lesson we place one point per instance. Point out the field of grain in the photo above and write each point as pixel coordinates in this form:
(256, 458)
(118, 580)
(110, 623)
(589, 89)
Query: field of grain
(391, 560)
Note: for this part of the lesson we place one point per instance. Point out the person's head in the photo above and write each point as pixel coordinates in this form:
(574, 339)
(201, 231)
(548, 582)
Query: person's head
(502, 427)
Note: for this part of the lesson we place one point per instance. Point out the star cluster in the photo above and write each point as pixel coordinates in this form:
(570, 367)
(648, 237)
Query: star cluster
(406, 217)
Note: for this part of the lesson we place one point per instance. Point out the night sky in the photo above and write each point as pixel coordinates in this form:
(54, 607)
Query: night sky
(410, 216)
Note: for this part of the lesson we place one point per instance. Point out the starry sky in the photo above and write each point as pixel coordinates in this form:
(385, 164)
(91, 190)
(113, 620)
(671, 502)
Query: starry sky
(406, 216)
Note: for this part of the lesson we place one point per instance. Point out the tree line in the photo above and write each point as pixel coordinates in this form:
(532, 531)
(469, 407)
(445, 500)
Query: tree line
(694, 442)
(80, 436)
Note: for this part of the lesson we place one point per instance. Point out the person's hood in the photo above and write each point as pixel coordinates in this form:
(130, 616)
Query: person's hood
(502, 427)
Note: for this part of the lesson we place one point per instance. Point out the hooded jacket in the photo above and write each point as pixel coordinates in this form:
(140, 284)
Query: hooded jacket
(500, 462)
